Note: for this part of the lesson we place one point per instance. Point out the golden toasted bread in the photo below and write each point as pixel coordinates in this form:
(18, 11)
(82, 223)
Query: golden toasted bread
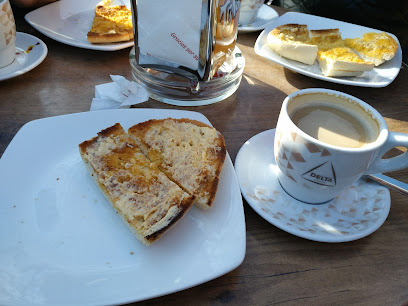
(342, 62)
(326, 39)
(292, 41)
(189, 152)
(111, 24)
(374, 47)
(146, 200)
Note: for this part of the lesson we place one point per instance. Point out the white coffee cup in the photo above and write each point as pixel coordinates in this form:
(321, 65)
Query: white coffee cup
(7, 34)
(316, 171)
(249, 10)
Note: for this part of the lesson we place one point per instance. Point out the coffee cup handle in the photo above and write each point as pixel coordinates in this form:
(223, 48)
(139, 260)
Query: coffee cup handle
(381, 165)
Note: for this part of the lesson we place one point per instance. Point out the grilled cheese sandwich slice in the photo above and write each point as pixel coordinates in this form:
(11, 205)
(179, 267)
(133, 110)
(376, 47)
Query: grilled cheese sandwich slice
(147, 201)
(189, 152)
(374, 47)
(342, 62)
(111, 24)
(326, 39)
(292, 41)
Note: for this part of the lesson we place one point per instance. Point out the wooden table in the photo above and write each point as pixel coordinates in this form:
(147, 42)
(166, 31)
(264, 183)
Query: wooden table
(279, 268)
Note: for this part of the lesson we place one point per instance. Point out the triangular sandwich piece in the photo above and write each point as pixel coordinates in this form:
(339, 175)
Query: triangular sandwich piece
(146, 200)
(374, 47)
(342, 62)
(189, 152)
(292, 41)
(326, 39)
(111, 23)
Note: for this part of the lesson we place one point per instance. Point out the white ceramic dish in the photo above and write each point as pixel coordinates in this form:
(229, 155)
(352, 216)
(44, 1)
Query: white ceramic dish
(265, 16)
(357, 212)
(61, 243)
(30, 52)
(69, 21)
(380, 76)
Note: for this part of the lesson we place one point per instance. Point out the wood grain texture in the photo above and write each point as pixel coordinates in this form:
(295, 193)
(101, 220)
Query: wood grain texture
(279, 268)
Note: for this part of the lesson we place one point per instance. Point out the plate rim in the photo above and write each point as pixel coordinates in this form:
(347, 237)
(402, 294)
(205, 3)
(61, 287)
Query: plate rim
(240, 247)
(292, 65)
(304, 235)
(34, 64)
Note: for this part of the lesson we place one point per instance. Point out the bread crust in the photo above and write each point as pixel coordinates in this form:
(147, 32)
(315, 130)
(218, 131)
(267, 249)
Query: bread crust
(196, 167)
(98, 38)
(144, 198)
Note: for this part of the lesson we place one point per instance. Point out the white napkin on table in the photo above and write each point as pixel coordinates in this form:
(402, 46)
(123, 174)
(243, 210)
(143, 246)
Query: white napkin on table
(120, 93)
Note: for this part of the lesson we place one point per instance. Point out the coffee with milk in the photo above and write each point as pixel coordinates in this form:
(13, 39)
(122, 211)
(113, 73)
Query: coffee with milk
(332, 121)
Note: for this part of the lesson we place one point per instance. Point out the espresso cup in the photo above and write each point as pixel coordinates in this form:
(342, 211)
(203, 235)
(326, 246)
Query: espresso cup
(7, 34)
(326, 140)
(248, 11)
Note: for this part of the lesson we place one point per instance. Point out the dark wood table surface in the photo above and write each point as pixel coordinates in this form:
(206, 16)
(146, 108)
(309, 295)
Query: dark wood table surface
(278, 268)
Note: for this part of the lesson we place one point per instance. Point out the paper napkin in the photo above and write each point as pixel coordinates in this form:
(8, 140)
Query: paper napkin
(120, 93)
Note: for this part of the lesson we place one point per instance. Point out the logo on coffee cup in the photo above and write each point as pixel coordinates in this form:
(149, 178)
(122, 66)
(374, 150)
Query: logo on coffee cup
(323, 174)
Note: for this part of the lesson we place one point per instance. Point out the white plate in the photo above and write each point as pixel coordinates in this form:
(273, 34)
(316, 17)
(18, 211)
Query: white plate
(69, 21)
(264, 17)
(380, 76)
(61, 243)
(357, 212)
(30, 52)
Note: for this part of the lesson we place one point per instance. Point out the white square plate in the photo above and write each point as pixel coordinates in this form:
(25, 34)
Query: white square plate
(68, 21)
(61, 243)
(380, 76)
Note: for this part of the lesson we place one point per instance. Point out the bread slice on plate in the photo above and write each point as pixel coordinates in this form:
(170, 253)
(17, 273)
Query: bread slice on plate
(292, 41)
(326, 39)
(342, 62)
(374, 47)
(148, 202)
(111, 23)
(189, 152)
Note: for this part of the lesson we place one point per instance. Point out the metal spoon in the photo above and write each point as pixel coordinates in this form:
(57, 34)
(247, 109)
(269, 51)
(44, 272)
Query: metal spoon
(390, 183)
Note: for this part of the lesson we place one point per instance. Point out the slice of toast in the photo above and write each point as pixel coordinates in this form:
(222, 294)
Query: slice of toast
(326, 39)
(342, 62)
(374, 47)
(146, 200)
(189, 152)
(292, 41)
(111, 23)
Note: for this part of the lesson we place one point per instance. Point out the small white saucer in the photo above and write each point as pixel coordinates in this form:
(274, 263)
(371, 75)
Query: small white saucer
(357, 212)
(30, 52)
(264, 17)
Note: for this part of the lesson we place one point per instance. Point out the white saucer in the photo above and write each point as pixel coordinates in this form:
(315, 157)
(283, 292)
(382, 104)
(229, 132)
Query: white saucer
(30, 52)
(265, 16)
(357, 212)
